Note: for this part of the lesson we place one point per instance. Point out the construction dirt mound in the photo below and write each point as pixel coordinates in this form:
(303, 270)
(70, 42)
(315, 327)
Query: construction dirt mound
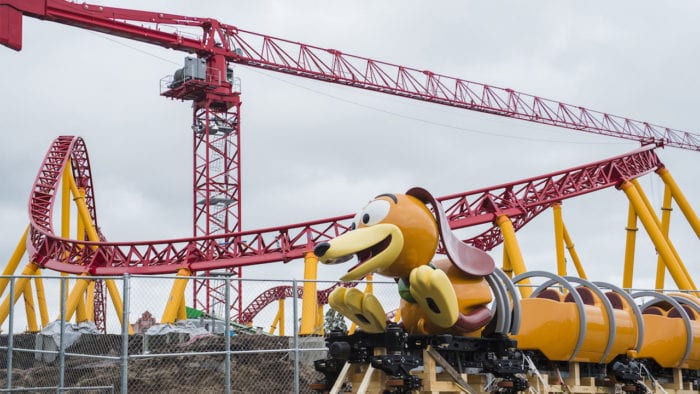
(170, 363)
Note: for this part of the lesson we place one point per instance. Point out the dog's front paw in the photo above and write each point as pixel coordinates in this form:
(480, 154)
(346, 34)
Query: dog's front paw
(362, 309)
(433, 291)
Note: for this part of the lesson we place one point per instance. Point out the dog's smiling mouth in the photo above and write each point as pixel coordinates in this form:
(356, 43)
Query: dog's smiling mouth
(376, 247)
(366, 254)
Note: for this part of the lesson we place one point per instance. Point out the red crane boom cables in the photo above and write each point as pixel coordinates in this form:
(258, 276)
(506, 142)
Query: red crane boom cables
(331, 65)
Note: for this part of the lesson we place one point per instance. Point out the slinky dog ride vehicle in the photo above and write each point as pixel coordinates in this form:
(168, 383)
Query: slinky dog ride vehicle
(397, 235)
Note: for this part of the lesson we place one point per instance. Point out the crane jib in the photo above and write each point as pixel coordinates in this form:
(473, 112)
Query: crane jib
(220, 41)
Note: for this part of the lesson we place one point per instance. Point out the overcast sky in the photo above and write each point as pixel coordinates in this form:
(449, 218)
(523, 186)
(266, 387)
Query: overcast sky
(312, 150)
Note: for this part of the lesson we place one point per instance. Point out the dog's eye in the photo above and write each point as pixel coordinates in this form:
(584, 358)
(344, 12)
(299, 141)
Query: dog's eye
(374, 212)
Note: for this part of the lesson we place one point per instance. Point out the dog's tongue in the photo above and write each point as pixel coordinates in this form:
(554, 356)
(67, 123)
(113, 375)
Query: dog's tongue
(473, 321)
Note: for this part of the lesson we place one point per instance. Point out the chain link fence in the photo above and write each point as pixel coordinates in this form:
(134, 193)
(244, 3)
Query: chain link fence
(266, 353)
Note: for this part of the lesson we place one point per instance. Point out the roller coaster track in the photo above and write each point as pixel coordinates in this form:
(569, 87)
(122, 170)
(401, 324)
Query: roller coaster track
(281, 292)
(521, 201)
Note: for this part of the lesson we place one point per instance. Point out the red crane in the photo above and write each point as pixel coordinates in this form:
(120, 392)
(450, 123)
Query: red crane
(216, 117)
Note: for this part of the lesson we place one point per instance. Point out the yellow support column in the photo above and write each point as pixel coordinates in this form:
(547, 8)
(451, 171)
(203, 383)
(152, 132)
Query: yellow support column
(319, 320)
(278, 317)
(65, 201)
(281, 313)
(630, 243)
(177, 296)
(81, 314)
(309, 299)
(559, 239)
(273, 326)
(91, 230)
(90, 301)
(41, 299)
(573, 254)
(11, 266)
(32, 325)
(20, 283)
(507, 267)
(680, 199)
(510, 244)
(650, 209)
(80, 226)
(65, 214)
(656, 236)
(666, 209)
(78, 292)
(182, 310)
(117, 302)
(83, 211)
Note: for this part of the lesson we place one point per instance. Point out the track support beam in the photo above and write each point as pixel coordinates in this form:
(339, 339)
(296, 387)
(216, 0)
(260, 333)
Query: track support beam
(630, 243)
(574, 256)
(78, 293)
(650, 209)
(656, 236)
(28, 271)
(279, 319)
(666, 209)
(177, 296)
(41, 298)
(30, 310)
(309, 298)
(117, 302)
(511, 246)
(11, 266)
(680, 199)
(559, 239)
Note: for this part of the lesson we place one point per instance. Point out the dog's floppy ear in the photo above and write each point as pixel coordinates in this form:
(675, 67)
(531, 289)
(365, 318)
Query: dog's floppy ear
(469, 259)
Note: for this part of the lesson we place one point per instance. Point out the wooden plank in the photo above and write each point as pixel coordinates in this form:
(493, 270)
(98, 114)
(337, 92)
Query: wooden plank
(450, 371)
(365, 380)
(341, 378)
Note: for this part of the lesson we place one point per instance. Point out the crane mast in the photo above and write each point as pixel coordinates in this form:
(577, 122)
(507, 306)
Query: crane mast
(209, 84)
(207, 81)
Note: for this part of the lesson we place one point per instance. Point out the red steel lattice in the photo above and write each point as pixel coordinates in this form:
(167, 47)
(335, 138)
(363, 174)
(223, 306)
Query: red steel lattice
(521, 201)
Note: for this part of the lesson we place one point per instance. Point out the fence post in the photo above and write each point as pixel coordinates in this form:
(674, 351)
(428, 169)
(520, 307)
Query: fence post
(227, 334)
(10, 333)
(296, 335)
(125, 335)
(61, 351)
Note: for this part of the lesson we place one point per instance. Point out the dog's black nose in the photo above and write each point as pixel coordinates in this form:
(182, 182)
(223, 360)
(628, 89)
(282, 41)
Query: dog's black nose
(321, 249)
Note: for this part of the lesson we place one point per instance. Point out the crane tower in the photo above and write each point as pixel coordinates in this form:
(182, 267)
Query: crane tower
(216, 103)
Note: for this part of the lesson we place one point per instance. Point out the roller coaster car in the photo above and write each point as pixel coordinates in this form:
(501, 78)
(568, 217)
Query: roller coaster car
(554, 326)
(672, 333)
(597, 323)
(563, 330)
